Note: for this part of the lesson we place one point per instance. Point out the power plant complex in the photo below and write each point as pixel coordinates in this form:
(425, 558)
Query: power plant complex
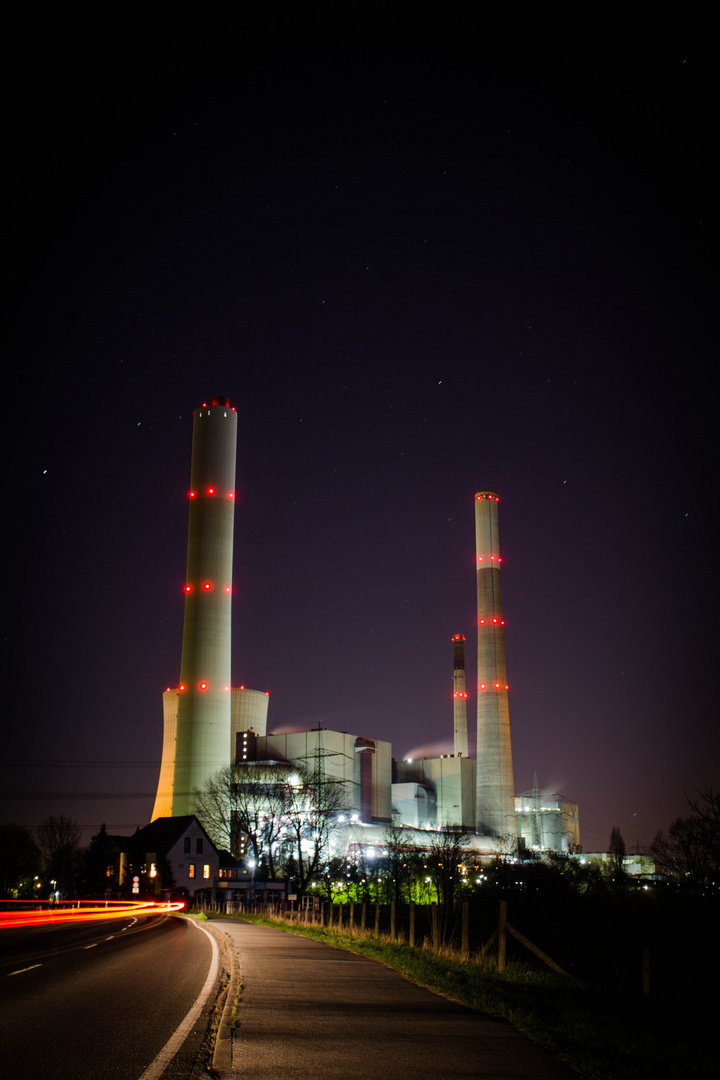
(209, 724)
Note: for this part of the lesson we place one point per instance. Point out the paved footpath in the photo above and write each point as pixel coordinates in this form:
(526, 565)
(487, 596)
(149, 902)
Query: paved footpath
(308, 1010)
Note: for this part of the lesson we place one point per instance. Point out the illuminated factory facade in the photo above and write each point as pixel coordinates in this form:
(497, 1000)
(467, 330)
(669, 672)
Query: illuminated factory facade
(209, 724)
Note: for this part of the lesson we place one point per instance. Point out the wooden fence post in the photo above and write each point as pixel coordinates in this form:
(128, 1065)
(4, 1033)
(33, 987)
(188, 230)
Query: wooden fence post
(377, 919)
(465, 945)
(502, 937)
(435, 929)
(392, 920)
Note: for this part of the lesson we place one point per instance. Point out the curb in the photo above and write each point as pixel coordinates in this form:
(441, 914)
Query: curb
(222, 1052)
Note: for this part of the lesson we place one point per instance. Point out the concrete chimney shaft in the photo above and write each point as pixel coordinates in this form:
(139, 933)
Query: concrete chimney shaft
(495, 795)
(204, 693)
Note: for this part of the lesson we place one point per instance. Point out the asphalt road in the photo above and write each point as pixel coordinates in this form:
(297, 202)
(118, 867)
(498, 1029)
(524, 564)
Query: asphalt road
(98, 1000)
(313, 1012)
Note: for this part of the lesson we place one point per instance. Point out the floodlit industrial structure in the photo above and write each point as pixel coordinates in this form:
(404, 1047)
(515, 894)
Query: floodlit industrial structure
(360, 767)
(203, 714)
(209, 725)
(495, 796)
(546, 821)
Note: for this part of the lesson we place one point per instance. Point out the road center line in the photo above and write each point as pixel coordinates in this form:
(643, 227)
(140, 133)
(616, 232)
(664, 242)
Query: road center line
(20, 970)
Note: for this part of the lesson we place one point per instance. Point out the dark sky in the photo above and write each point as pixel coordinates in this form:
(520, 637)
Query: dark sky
(423, 256)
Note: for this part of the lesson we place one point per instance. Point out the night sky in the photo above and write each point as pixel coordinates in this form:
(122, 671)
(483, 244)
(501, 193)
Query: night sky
(423, 256)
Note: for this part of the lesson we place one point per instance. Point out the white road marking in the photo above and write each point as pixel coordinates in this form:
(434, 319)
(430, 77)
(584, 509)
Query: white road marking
(171, 1047)
(20, 970)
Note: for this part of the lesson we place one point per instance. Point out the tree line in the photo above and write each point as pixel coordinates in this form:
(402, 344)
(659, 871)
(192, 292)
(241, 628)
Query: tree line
(278, 820)
(51, 863)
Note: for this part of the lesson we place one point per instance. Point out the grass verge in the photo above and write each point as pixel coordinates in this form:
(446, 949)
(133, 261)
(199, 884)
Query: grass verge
(604, 1036)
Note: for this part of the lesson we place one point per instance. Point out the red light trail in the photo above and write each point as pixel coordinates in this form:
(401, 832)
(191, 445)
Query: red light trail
(83, 911)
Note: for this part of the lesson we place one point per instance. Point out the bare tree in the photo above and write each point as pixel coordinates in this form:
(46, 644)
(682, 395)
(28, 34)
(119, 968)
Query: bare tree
(616, 869)
(59, 842)
(616, 851)
(19, 861)
(314, 803)
(242, 808)
(690, 850)
(707, 811)
(398, 863)
(445, 858)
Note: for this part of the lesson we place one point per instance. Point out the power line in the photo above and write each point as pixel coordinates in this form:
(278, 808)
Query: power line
(47, 762)
(45, 796)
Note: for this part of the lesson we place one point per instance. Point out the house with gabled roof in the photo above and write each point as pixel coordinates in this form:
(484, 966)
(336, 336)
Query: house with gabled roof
(170, 852)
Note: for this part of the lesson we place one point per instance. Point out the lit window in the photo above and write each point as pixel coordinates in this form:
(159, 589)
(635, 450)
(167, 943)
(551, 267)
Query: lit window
(206, 871)
(191, 870)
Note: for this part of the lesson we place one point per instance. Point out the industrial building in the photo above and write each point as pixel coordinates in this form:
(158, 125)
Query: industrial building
(547, 822)
(208, 724)
(362, 767)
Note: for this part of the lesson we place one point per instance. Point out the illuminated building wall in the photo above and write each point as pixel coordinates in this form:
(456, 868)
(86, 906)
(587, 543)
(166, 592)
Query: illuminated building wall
(364, 766)
(547, 822)
(164, 796)
(495, 796)
(413, 806)
(248, 713)
(459, 696)
(450, 783)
